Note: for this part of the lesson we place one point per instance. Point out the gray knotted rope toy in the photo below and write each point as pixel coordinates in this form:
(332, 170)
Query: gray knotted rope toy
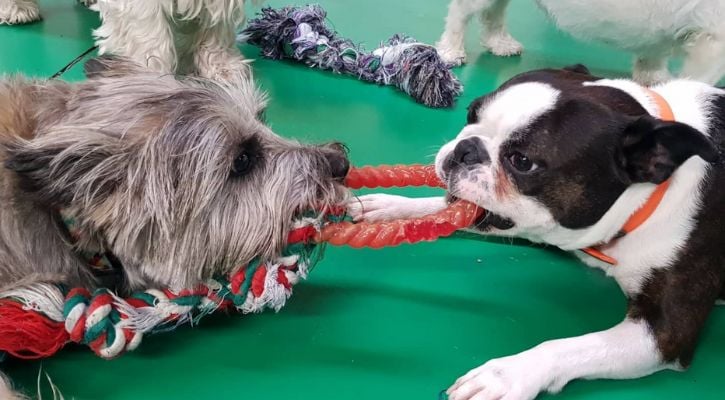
(300, 33)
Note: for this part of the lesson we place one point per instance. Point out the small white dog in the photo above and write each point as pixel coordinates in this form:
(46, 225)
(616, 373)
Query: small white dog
(168, 36)
(654, 30)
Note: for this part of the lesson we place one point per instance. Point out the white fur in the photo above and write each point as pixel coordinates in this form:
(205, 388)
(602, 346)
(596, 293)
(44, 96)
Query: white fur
(23, 11)
(625, 351)
(381, 207)
(652, 29)
(175, 36)
(168, 36)
(18, 11)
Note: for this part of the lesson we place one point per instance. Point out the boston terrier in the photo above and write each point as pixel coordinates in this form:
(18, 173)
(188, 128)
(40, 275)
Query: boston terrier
(629, 178)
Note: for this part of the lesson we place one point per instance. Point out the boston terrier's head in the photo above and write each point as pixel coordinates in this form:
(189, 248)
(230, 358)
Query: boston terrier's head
(550, 152)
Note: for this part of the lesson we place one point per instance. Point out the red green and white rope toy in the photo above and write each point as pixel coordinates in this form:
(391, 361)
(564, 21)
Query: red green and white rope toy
(37, 321)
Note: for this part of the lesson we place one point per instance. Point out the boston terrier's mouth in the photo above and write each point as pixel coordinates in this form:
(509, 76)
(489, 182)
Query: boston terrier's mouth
(487, 220)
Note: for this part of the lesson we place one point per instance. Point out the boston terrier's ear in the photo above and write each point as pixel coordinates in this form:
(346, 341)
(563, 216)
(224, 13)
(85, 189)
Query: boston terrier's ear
(473, 109)
(578, 68)
(651, 149)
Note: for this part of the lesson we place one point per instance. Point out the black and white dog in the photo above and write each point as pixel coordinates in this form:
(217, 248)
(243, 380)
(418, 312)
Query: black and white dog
(631, 175)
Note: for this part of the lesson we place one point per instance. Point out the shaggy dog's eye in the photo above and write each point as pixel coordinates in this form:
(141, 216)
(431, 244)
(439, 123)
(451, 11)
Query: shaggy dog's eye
(242, 164)
(521, 163)
(248, 156)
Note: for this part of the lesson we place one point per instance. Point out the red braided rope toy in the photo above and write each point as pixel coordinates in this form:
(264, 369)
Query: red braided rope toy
(38, 320)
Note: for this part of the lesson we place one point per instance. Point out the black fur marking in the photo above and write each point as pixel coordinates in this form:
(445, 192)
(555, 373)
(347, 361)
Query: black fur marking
(653, 149)
(470, 151)
(676, 301)
(578, 68)
(472, 116)
(578, 132)
(584, 128)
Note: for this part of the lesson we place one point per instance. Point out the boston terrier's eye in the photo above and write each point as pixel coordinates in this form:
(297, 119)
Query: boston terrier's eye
(521, 163)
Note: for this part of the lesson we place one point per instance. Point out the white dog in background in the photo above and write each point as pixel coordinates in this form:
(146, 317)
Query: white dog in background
(168, 36)
(654, 30)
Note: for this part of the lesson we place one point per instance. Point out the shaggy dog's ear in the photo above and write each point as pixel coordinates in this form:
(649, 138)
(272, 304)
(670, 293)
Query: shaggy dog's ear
(107, 66)
(73, 168)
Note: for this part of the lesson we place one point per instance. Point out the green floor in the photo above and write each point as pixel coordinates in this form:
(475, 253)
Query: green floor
(395, 323)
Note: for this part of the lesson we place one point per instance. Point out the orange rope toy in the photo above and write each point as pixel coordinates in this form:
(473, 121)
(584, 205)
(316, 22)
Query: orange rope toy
(458, 215)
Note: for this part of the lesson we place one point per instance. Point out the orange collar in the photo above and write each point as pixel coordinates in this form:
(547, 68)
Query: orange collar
(648, 208)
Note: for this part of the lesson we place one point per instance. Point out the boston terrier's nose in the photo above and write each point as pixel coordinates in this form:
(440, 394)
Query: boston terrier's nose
(470, 151)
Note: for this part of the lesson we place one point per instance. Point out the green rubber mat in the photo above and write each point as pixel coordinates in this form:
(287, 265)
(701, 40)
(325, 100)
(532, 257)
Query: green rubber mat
(397, 323)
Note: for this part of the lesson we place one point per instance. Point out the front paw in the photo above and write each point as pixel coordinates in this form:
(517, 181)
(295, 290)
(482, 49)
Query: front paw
(453, 55)
(503, 45)
(378, 207)
(509, 378)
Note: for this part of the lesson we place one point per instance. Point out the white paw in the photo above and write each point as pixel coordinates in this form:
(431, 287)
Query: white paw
(503, 44)
(19, 12)
(507, 378)
(379, 207)
(451, 54)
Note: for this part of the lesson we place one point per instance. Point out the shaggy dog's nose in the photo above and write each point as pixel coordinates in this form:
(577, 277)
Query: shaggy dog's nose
(337, 158)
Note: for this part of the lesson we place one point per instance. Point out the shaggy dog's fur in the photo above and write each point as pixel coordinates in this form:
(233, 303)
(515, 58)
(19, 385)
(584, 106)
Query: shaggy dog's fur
(178, 179)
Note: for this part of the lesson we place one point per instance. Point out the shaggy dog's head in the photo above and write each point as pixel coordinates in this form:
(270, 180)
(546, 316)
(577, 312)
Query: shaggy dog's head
(178, 178)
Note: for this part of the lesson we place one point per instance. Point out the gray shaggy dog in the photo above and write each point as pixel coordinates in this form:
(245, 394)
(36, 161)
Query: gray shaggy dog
(177, 178)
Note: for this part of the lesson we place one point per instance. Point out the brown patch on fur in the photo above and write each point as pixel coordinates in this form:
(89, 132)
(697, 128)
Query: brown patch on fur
(561, 194)
(17, 105)
(676, 303)
(503, 187)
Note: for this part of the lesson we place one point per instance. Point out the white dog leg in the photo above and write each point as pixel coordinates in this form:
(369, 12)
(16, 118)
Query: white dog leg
(451, 44)
(217, 57)
(705, 60)
(138, 30)
(650, 69)
(625, 351)
(383, 207)
(14, 12)
(494, 35)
